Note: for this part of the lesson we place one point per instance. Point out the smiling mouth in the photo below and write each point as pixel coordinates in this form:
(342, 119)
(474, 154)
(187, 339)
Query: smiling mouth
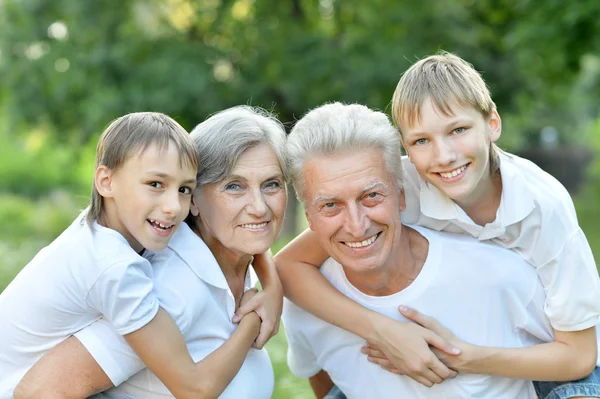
(254, 226)
(363, 243)
(453, 173)
(162, 227)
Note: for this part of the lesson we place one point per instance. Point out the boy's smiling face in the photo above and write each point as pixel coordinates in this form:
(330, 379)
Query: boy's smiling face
(147, 197)
(452, 152)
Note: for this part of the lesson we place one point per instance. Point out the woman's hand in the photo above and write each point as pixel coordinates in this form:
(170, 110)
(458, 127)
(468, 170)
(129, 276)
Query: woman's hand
(268, 304)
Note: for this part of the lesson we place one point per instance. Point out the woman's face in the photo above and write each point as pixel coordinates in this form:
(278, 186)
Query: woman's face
(244, 212)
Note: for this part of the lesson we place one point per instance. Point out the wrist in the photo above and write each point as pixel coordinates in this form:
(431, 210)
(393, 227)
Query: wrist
(471, 357)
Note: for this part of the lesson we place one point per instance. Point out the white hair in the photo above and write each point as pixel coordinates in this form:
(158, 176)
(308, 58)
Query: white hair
(334, 128)
(222, 138)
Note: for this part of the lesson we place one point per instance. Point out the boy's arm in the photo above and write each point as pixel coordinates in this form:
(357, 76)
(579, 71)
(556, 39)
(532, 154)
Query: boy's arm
(160, 345)
(543, 362)
(67, 371)
(405, 345)
(267, 303)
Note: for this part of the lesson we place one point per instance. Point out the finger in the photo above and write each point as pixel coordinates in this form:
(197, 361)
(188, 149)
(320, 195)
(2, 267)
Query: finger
(244, 309)
(383, 362)
(263, 336)
(394, 370)
(373, 352)
(438, 342)
(416, 316)
(421, 380)
(431, 376)
(441, 370)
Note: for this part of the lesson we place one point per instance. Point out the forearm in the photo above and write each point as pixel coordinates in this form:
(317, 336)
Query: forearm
(173, 365)
(305, 286)
(221, 366)
(554, 361)
(265, 269)
(67, 371)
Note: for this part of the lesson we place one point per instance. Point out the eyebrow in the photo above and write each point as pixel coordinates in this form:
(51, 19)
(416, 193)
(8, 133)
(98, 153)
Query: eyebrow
(328, 198)
(373, 185)
(238, 177)
(167, 176)
(451, 124)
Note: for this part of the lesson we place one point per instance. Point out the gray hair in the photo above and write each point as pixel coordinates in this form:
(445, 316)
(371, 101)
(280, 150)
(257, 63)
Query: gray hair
(334, 128)
(223, 137)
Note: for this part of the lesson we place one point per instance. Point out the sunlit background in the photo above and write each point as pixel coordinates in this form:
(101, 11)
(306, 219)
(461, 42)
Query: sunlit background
(68, 67)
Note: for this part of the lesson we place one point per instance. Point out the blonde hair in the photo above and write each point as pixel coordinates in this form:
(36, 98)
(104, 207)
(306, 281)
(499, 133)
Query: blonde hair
(132, 134)
(444, 78)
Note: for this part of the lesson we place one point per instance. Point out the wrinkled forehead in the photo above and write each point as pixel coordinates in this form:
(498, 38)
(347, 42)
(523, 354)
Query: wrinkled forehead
(345, 176)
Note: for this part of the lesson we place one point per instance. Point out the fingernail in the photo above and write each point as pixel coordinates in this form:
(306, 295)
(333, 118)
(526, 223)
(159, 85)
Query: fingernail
(456, 351)
(403, 308)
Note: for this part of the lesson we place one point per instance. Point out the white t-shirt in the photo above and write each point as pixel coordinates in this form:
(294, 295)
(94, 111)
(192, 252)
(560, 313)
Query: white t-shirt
(482, 292)
(537, 219)
(191, 287)
(83, 274)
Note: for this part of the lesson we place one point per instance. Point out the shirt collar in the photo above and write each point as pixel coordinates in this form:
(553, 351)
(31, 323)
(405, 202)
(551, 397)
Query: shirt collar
(195, 253)
(516, 202)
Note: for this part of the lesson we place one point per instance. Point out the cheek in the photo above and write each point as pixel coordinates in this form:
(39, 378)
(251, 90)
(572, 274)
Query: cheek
(277, 204)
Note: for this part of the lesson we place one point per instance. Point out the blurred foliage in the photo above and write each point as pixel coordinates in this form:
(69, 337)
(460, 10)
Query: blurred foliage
(77, 65)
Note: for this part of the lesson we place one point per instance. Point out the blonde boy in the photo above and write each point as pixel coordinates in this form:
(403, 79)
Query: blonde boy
(145, 173)
(459, 181)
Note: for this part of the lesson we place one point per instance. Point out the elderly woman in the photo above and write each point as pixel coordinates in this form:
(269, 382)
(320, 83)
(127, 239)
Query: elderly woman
(201, 279)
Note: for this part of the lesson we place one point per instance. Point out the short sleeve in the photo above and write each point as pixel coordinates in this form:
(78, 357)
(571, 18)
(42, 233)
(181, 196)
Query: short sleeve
(572, 285)
(300, 356)
(124, 295)
(110, 350)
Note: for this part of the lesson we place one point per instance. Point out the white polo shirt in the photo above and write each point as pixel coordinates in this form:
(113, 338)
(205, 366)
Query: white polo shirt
(192, 288)
(537, 219)
(482, 292)
(83, 274)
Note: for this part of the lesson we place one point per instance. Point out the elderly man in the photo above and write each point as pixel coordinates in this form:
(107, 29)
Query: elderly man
(346, 167)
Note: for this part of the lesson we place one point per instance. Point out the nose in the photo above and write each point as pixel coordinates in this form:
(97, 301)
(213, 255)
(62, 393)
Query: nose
(356, 223)
(257, 206)
(445, 153)
(171, 203)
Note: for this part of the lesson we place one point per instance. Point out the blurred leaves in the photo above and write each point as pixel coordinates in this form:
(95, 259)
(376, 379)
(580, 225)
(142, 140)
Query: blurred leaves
(190, 58)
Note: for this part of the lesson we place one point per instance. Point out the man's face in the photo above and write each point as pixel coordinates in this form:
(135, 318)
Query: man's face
(452, 152)
(354, 205)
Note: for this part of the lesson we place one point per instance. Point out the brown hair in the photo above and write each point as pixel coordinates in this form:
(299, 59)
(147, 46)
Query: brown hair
(443, 78)
(134, 133)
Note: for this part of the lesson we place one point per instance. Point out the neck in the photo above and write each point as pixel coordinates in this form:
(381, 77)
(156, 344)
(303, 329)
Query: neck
(482, 205)
(110, 219)
(233, 264)
(400, 269)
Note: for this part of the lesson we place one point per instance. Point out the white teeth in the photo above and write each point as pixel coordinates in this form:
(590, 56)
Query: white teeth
(361, 244)
(255, 226)
(454, 173)
(159, 225)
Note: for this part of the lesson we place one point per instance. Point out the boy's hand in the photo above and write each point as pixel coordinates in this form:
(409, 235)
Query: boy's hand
(406, 349)
(268, 304)
(459, 363)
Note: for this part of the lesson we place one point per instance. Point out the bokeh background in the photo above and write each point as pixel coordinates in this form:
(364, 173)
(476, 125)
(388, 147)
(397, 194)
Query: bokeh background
(68, 67)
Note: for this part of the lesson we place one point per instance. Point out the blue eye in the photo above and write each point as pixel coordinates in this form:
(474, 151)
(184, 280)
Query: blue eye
(233, 186)
(273, 184)
(372, 195)
(329, 205)
(421, 141)
(459, 130)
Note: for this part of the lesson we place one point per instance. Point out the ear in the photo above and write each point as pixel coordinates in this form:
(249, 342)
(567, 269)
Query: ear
(194, 209)
(310, 225)
(103, 181)
(405, 148)
(495, 125)
(402, 200)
